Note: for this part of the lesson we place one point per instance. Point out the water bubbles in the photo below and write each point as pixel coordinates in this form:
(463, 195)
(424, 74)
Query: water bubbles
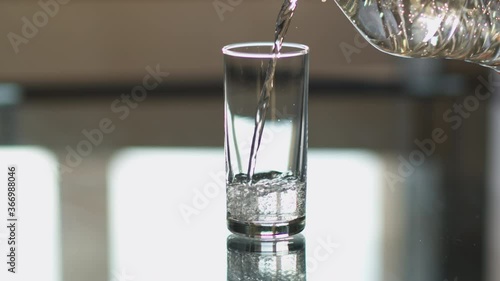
(263, 178)
(241, 178)
(271, 197)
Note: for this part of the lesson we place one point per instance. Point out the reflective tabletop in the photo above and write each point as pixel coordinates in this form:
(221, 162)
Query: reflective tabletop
(166, 220)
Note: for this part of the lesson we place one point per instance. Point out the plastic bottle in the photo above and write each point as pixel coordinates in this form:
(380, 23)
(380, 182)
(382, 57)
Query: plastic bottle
(455, 29)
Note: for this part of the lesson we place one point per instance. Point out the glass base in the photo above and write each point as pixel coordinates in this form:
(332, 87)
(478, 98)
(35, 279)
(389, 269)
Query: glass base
(267, 230)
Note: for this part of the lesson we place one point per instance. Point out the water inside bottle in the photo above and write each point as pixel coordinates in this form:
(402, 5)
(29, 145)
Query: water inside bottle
(463, 29)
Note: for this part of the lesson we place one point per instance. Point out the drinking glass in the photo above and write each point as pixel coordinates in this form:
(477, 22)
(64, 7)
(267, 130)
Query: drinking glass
(266, 196)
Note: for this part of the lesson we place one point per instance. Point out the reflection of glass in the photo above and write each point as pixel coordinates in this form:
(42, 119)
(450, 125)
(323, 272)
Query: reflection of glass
(274, 259)
(266, 193)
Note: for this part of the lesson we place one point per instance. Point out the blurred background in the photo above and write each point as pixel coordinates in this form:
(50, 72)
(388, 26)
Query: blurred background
(65, 66)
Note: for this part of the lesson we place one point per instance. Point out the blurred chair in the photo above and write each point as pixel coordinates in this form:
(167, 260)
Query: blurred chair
(10, 97)
(38, 237)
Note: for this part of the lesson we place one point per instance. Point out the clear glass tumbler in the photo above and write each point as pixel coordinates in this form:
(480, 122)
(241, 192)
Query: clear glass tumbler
(269, 199)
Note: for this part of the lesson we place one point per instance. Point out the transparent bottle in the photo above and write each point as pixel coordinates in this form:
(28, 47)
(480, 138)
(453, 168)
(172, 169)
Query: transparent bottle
(455, 29)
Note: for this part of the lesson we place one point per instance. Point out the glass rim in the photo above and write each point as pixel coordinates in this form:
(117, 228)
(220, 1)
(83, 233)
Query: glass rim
(298, 50)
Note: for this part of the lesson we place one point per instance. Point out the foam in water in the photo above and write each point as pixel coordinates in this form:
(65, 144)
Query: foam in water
(270, 197)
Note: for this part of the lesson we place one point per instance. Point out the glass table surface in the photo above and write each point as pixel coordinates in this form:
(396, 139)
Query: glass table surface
(166, 220)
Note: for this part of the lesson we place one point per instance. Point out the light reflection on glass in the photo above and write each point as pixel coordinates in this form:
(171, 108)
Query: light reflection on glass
(272, 259)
